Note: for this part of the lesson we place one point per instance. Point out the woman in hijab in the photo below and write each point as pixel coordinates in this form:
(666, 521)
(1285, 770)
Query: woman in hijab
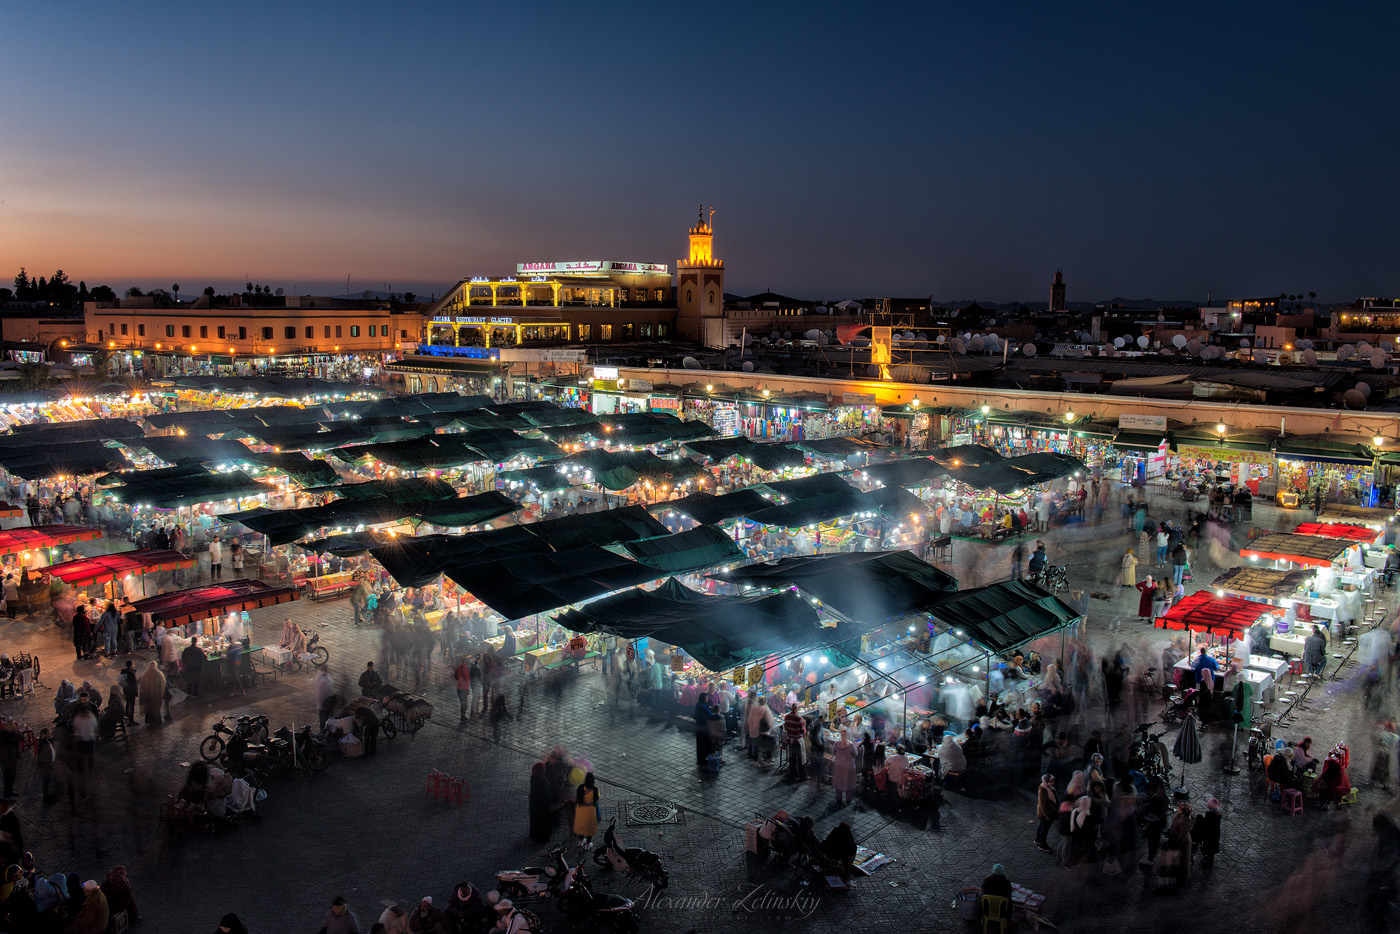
(293, 639)
(704, 745)
(542, 818)
(1147, 587)
(94, 916)
(151, 691)
(1051, 683)
(63, 699)
(586, 811)
(113, 714)
(843, 767)
(951, 758)
(1083, 831)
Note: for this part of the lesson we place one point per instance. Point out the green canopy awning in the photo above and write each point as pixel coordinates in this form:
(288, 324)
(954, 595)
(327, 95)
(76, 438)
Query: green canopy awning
(718, 631)
(544, 479)
(1003, 616)
(699, 548)
(707, 509)
(1323, 451)
(868, 586)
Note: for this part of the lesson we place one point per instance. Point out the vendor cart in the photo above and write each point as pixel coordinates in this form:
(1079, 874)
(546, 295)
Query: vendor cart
(403, 712)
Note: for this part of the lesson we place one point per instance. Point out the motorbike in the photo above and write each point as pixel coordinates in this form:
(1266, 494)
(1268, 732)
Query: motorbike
(310, 752)
(1146, 757)
(1180, 706)
(634, 861)
(614, 911)
(317, 654)
(536, 882)
(250, 728)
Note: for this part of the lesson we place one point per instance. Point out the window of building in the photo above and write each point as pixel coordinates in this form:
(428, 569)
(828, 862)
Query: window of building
(403, 333)
(289, 333)
(267, 334)
(605, 332)
(170, 330)
(354, 330)
(123, 330)
(661, 330)
(310, 333)
(141, 330)
(243, 334)
(337, 330)
(203, 331)
(373, 330)
(585, 332)
(221, 332)
(328, 331)
(646, 329)
(627, 331)
(184, 330)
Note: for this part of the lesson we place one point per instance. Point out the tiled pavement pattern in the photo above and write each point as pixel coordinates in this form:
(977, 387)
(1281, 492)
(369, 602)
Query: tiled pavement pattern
(365, 828)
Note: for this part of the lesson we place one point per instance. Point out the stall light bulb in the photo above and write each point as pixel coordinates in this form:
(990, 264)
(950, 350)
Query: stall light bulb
(880, 665)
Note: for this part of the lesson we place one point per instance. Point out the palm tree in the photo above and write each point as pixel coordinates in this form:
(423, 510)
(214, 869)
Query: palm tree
(176, 289)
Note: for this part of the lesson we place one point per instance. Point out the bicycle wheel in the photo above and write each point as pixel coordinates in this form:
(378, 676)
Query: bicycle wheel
(319, 656)
(210, 749)
(387, 725)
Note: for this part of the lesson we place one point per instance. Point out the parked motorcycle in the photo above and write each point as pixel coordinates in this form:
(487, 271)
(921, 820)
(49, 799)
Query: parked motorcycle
(308, 751)
(1147, 755)
(635, 861)
(614, 911)
(253, 729)
(536, 882)
(316, 653)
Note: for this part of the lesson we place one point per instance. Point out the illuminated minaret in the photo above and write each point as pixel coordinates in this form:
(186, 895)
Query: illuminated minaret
(699, 282)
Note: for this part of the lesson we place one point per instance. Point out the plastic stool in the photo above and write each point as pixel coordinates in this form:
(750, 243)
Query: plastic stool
(1292, 801)
(1349, 798)
(1296, 667)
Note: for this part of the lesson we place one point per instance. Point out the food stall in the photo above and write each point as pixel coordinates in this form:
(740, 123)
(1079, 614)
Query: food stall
(1337, 590)
(1227, 618)
(86, 572)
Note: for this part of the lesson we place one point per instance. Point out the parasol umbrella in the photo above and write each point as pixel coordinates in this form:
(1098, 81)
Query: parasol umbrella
(1187, 747)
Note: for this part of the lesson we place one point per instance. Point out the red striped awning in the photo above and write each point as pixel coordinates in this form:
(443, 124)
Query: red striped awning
(184, 606)
(1352, 533)
(104, 568)
(1315, 550)
(10, 511)
(44, 536)
(1203, 611)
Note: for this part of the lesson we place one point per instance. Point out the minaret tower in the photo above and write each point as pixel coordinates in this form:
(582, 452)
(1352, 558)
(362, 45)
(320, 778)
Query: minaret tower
(699, 281)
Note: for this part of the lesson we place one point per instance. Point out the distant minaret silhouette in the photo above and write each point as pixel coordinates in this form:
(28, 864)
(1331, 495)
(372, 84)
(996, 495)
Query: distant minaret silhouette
(1057, 291)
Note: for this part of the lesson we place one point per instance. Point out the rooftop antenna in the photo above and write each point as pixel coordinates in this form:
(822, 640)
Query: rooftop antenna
(712, 217)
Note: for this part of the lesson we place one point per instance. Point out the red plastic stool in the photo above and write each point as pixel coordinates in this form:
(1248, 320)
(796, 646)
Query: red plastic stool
(457, 791)
(1292, 801)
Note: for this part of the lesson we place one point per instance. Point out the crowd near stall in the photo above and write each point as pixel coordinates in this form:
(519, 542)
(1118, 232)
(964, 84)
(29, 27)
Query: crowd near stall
(785, 594)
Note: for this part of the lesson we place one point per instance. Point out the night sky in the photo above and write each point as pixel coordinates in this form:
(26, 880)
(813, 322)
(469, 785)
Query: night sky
(853, 149)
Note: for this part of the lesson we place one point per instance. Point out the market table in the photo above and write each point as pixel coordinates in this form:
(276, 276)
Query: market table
(1274, 666)
(1288, 644)
(1262, 682)
(542, 656)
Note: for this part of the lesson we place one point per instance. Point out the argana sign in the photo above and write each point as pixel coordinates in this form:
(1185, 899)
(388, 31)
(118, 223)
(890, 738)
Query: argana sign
(592, 267)
(1142, 422)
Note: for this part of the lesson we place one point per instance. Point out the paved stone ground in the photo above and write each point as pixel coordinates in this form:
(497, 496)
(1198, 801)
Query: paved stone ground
(365, 828)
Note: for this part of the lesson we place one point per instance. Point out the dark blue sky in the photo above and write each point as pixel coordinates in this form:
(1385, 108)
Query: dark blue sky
(959, 150)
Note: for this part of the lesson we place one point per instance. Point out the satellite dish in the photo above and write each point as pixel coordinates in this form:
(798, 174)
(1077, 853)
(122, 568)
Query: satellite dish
(278, 292)
(941, 339)
(775, 335)
(976, 345)
(748, 339)
(1363, 348)
(1261, 356)
(1378, 359)
(1387, 346)
(1346, 352)
(366, 293)
(812, 335)
(958, 346)
(1143, 342)
(1309, 357)
(787, 335)
(821, 309)
(1305, 344)
(690, 363)
(1118, 342)
(1364, 389)
(1028, 350)
(748, 366)
(782, 342)
(1354, 399)
(1244, 343)
(1193, 345)
(1287, 358)
(1109, 351)
(1179, 341)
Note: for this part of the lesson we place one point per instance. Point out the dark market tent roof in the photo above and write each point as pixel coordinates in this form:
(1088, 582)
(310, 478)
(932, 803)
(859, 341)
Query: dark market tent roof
(350, 544)
(819, 484)
(433, 452)
(522, 586)
(175, 449)
(965, 455)
(867, 586)
(499, 445)
(399, 489)
(694, 550)
(838, 447)
(44, 536)
(1323, 450)
(1048, 464)
(707, 509)
(894, 502)
(303, 470)
(1002, 616)
(89, 429)
(771, 456)
(467, 510)
(286, 387)
(99, 570)
(617, 470)
(1300, 549)
(184, 606)
(544, 478)
(1203, 611)
(35, 461)
(916, 471)
(1261, 582)
(718, 631)
(167, 491)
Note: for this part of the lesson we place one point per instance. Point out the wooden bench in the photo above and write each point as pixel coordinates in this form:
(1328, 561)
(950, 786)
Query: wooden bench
(331, 585)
